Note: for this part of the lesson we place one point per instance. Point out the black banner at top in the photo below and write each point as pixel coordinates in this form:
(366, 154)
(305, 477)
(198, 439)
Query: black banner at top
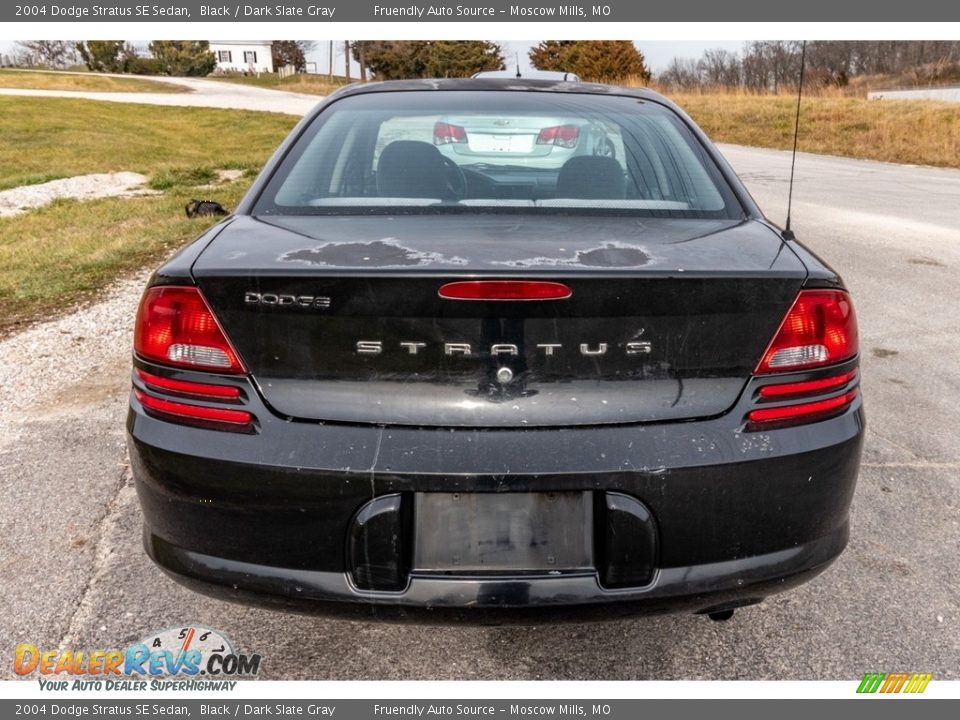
(539, 11)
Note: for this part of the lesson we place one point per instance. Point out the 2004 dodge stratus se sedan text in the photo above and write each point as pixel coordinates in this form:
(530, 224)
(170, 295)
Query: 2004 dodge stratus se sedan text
(406, 380)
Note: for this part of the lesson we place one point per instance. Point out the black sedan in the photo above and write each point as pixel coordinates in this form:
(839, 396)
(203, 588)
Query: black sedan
(394, 386)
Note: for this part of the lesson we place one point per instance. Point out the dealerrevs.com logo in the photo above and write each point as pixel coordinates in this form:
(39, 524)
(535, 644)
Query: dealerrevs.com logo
(185, 652)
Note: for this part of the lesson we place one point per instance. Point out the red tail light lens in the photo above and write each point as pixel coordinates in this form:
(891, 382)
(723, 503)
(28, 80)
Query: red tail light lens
(804, 412)
(505, 290)
(806, 387)
(175, 326)
(445, 133)
(819, 329)
(188, 387)
(565, 136)
(219, 418)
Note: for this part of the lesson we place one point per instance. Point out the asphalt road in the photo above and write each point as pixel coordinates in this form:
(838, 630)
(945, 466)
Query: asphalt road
(74, 573)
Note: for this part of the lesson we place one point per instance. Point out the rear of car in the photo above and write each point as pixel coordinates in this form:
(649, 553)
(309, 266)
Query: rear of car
(404, 381)
(482, 141)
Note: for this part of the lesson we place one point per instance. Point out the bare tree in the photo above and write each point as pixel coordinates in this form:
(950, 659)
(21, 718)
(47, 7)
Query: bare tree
(681, 73)
(50, 53)
(719, 67)
(772, 65)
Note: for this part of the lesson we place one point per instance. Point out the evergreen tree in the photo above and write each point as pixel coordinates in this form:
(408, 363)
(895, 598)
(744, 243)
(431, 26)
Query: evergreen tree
(184, 57)
(398, 59)
(106, 55)
(554, 55)
(592, 60)
(288, 52)
(462, 58)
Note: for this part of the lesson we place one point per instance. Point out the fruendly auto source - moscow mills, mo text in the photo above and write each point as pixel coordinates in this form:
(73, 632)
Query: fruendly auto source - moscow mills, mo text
(480, 11)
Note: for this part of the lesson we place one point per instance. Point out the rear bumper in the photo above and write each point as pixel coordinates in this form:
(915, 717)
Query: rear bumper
(501, 600)
(268, 518)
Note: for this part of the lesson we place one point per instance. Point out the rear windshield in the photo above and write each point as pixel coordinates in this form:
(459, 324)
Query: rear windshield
(500, 152)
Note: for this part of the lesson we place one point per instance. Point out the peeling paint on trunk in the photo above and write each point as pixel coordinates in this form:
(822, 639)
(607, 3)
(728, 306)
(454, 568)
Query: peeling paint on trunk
(609, 254)
(377, 253)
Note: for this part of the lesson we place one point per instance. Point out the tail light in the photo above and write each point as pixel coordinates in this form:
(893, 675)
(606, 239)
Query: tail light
(803, 412)
(806, 388)
(445, 133)
(214, 418)
(207, 391)
(819, 331)
(564, 136)
(176, 327)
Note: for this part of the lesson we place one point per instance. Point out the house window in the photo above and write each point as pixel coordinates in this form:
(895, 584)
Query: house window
(224, 56)
(250, 57)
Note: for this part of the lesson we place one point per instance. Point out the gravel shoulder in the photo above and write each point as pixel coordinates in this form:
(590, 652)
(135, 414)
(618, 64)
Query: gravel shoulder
(80, 187)
(62, 461)
(66, 361)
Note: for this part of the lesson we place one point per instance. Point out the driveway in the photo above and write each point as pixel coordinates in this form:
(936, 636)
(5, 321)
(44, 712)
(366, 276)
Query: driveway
(205, 93)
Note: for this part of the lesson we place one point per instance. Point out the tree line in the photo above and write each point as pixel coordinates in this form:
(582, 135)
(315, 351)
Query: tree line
(767, 66)
(592, 60)
(600, 61)
(166, 57)
(761, 66)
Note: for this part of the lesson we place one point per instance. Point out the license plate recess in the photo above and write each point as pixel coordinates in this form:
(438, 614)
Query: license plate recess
(503, 532)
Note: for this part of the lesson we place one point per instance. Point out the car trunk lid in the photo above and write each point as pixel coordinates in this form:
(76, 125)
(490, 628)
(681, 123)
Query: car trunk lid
(340, 318)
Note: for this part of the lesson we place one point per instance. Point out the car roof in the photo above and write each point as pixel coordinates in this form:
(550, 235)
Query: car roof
(533, 74)
(514, 84)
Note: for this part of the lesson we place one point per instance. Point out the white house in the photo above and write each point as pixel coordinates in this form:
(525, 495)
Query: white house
(250, 56)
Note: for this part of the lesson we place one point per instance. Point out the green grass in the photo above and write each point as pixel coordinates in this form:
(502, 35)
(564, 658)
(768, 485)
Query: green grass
(47, 138)
(182, 177)
(90, 82)
(53, 256)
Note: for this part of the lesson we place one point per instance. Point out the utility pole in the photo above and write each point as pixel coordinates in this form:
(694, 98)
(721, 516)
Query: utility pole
(330, 70)
(346, 60)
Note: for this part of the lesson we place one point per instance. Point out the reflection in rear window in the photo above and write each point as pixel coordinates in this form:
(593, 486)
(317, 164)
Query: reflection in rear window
(496, 151)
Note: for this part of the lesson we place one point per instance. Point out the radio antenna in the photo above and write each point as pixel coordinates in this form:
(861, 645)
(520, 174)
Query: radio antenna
(518, 64)
(787, 232)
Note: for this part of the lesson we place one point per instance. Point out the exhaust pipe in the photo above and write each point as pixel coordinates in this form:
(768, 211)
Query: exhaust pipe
(724, 611)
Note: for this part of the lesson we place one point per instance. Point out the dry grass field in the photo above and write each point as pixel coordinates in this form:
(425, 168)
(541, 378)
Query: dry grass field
(833, 121)
(915, 132)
